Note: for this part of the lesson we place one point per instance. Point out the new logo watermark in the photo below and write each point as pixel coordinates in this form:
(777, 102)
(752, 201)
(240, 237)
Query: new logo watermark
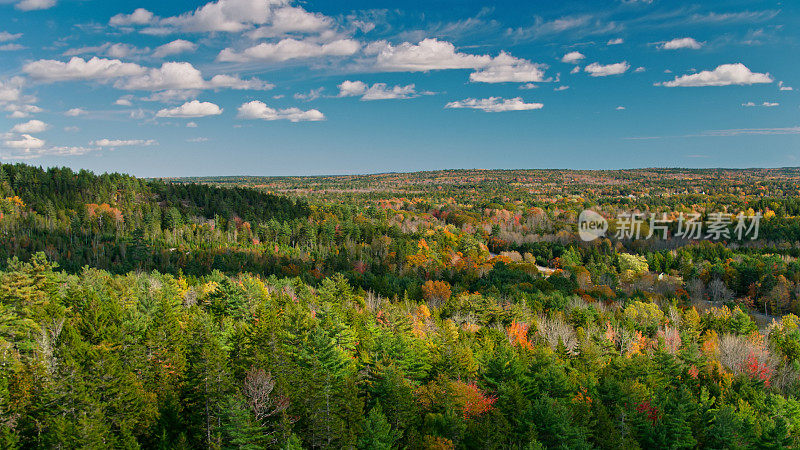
(717, 226)
(591, 225)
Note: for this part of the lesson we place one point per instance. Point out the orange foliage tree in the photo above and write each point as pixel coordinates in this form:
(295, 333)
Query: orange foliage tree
(436, 292)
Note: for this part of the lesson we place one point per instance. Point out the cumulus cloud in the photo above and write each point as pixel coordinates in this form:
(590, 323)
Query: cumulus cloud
(259, 18)
(724, 75)
(783, 87)
(679, 43)
(616, 41)
(226, 15)
(175, 47)
(11, 89)
(433, 54)
(290, 48)
(25, 141)
(505, 68)
(572, 57)
(75, 112)
(292, 19)
(378, 91)
(79, 69)
(21, 111)
(140, 16)
(599, 70)
(34, 5)
(171, 75)
(130, 76)
(124, 101)
(5, 36)
(429, 54)
(191, 109)
(123, 143)
(495, 104)
(259, 110)
(30, 127)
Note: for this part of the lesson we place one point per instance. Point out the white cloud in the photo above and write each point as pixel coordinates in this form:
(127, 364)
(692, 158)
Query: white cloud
(495, 104)
(429, 54)
(783, 87)
(579, 25)
(561, 88)
(175, 47)
(191, 109)
(197, 139)
(226, 15)
(313, 94)
(37, 152)
(599, 70)
(505, 68)
(30, 127)
(290, 48)
(724, 75)
(11, 89)
(124, 101)
(575, 70)
(236, 83)
(140, 16)
(527, 86)
(263, 19)
(259, 110)
(130, 76)
(616, 41)
(764, 104)
(620, 108)
(108, 49)
(572, 57)
(191, 125)
(5, 36)
(679, 43)
(79, 69)
(123, 143)
(171, 95)
(433, 54)
(378, 91)
(752, 131)
(11, 47)
(75, 112)
(20, 111)
(26, 141)
(744, 16)
(292, 20)
(640, 69)
(171, 75)
(34, 5)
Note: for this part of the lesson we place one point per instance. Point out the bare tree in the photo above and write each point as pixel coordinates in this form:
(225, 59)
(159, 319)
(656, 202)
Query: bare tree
(718, 291)
(263, 402)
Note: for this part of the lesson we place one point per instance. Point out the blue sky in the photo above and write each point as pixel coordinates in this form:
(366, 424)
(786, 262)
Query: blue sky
(280, 87)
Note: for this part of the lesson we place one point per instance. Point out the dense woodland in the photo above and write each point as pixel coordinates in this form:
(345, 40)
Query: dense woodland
(452, 309)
